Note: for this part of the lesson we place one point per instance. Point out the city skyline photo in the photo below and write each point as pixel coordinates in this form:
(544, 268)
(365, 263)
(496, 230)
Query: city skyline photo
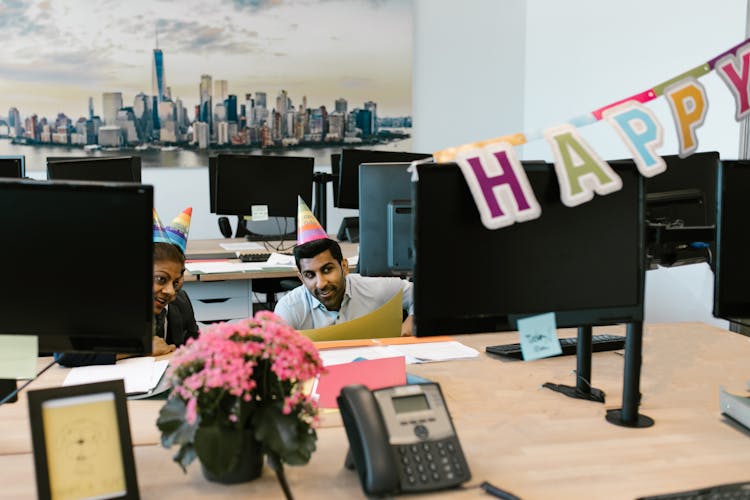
(58, 54)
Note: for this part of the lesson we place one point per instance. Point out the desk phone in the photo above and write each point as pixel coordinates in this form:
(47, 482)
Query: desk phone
(402, 439)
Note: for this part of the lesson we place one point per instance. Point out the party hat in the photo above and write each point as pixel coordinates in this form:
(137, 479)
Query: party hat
(308, 227)
(179, 228)
(176, 233)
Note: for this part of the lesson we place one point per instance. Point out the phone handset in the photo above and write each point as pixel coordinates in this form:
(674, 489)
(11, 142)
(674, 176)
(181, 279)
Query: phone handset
(368, 440)
(402, 439)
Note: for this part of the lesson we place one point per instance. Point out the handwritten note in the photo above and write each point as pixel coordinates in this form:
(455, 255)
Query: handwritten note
(539, 336)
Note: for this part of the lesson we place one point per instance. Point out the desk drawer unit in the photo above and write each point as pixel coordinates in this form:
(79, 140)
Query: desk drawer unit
(219, 300)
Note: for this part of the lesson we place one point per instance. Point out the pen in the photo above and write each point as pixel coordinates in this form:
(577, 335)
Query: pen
(495, 491)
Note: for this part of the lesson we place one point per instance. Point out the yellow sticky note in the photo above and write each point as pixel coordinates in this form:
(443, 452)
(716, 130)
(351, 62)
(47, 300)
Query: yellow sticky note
(18, 355)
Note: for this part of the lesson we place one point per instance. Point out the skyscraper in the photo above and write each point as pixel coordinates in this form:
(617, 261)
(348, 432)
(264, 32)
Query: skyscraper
(220, 90)
(158, 80)
(111, 104)
(206, 110)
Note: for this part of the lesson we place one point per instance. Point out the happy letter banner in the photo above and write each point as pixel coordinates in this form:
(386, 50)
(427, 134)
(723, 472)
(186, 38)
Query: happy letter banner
(498, 181)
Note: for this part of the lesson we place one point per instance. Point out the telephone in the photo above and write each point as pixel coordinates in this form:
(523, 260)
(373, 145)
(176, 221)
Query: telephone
(401, 439)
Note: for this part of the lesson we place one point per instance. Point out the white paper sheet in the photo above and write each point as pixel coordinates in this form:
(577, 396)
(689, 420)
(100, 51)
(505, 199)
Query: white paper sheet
(139, 374)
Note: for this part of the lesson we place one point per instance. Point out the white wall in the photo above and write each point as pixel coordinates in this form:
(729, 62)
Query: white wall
(487, 68)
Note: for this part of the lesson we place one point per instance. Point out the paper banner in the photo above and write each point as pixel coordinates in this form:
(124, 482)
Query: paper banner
(501, 190)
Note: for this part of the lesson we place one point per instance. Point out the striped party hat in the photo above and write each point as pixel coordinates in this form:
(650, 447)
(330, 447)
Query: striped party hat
(177, 232)
(308, 227)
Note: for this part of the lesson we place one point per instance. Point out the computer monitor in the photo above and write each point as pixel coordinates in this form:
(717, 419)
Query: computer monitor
(348, 186)
(585, 264)
(212, 183)
(82, 265)
(386, 242)
(685, 193)
(269, 183)
(732, 262)
(98, 168)
(12, 167)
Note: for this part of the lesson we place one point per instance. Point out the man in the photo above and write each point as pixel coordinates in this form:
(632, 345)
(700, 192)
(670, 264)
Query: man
(330, 294)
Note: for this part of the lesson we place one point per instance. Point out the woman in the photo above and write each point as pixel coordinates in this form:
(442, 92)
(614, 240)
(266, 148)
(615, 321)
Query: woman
(174, 319)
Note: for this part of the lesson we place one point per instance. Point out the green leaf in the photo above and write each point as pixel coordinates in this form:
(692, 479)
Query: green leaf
(218, 447)
(284, 435)
(184, 456)
(173, 426)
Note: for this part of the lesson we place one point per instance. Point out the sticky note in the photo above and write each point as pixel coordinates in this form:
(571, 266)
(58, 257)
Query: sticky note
(373, 373)
(539, 336)
(18, 355)
(259, 212)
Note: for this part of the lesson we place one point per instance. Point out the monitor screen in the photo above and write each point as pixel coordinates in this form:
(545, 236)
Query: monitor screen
(12, 167)
(99, 168)
(585, 264)
(348, 186)
(273, 182)
(685, 193)
(82, 272)
(732, 262)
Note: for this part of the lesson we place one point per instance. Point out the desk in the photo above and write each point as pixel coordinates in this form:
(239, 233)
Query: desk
(531, 441)
(226, 296)
(208, 247)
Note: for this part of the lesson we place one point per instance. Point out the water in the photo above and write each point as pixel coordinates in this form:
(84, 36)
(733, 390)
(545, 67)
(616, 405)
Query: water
(36, 155)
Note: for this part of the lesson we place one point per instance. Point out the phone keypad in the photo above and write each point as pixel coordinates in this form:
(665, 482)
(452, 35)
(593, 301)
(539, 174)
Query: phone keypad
(431, 465)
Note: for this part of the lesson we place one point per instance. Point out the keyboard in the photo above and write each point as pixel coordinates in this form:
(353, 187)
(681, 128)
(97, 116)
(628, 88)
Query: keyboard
(254, 257)
(718, 492)
(569, 346)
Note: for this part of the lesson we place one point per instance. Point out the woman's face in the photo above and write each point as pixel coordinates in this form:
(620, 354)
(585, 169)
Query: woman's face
(167, 282)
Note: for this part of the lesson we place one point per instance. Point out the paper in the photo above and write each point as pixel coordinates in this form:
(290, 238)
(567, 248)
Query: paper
(18, 354)
(332, 357)
(539, 336)
(382, 322)
(140, 375)
(258, 212)
(214, 267)
(280, 259)
(435, 351)
(245, 245)
(374, 374)
(84, 454)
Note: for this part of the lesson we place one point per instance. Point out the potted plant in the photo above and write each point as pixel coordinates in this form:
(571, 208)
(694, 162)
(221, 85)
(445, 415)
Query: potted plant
(237, 395)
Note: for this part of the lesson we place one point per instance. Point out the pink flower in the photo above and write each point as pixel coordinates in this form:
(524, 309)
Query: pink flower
(190, 411)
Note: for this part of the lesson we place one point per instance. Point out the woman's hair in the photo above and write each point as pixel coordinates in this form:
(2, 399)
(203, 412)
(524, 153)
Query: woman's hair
(167, 251)
(312, 248)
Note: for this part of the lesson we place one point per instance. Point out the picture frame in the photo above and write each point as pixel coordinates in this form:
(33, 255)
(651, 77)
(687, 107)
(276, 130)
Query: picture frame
(81, 442)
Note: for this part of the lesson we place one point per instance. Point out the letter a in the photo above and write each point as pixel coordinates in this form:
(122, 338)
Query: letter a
(580, 171)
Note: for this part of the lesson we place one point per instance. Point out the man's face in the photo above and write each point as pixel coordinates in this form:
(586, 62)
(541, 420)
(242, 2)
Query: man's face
(324, 277)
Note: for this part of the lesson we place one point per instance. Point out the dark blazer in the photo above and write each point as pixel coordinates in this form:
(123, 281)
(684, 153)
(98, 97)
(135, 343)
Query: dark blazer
(181, 326)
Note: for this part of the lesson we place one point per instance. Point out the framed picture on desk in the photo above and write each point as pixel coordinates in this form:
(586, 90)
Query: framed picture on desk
(81, 440)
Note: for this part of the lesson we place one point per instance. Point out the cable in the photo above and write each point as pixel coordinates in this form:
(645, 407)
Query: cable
(19, 389)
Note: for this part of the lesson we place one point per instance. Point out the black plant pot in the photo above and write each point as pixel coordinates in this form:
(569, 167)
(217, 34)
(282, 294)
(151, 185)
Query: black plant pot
(249, 464)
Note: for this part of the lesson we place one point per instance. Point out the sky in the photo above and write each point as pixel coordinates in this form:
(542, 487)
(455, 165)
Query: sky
(55, 54)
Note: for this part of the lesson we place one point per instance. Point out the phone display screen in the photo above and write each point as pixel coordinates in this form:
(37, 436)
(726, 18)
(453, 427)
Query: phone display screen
(407, 404)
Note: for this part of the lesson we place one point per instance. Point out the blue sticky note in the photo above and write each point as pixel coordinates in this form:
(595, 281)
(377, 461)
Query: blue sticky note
(539, 336)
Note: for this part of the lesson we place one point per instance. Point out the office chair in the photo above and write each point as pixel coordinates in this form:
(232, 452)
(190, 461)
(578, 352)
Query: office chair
(267, 286)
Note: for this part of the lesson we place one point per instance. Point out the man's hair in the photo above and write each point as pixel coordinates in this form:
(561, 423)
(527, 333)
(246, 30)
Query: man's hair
(167, 251)
(315, 247)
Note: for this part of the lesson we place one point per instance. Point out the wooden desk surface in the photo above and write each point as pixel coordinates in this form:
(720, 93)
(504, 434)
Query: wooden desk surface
(531, 441)
(208, 247)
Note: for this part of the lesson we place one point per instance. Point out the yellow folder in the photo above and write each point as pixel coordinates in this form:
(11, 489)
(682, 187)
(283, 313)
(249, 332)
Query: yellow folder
(384, 321)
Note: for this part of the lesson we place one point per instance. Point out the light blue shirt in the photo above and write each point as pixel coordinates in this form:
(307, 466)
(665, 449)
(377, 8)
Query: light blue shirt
(363, 294)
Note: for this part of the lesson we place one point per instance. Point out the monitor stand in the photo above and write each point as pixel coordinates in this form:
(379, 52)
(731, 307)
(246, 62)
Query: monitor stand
(349, 230)
(628, 415)
(582, 389)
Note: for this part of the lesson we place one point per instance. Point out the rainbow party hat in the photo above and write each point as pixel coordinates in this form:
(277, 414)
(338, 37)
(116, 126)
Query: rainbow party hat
(308, 227)
(176, 233)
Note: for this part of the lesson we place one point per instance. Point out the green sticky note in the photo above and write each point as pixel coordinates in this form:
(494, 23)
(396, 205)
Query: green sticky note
(539, 336)
(18, 354)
